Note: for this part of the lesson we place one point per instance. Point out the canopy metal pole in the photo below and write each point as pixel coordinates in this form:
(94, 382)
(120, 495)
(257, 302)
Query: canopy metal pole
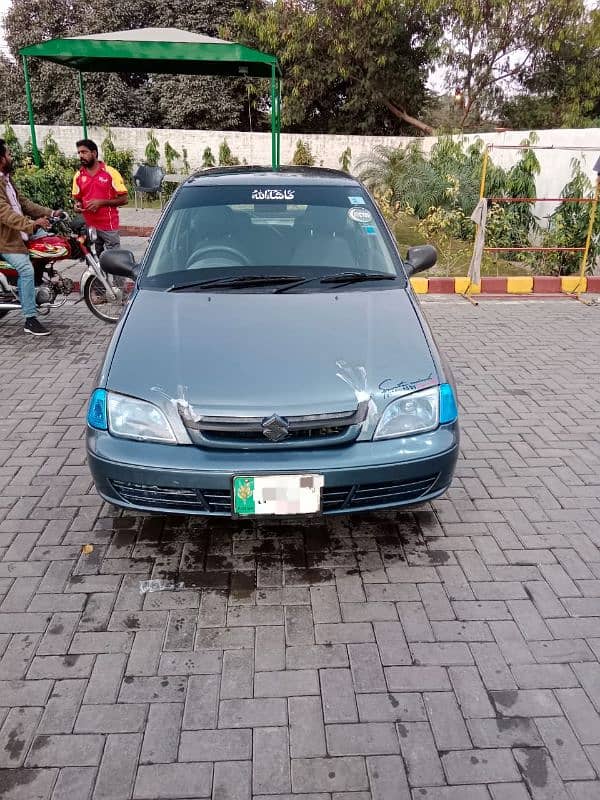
(278, 123)
(34, 147)
(82, 105)
(273, 121)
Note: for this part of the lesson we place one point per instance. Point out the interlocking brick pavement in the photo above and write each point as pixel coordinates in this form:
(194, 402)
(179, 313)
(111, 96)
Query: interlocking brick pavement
(445, 653)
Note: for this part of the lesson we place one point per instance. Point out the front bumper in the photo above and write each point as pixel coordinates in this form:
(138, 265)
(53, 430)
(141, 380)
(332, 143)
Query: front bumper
(185, 479)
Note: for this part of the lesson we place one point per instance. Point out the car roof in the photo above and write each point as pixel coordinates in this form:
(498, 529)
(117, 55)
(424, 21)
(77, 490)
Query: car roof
(265, 176)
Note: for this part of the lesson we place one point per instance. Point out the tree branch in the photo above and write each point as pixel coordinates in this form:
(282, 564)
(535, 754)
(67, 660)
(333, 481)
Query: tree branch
(406, 117)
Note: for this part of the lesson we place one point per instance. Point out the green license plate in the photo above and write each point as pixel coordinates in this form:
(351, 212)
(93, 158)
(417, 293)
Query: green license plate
(262, 495)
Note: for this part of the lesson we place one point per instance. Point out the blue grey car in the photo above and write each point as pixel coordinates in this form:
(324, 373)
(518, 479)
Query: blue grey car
(273, 358)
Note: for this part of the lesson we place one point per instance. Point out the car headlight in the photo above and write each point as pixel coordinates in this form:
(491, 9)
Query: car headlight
(129, 418)
(418, 412)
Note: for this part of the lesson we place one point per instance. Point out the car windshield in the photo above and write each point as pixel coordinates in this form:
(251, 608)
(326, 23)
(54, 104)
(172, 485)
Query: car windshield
(303, 231)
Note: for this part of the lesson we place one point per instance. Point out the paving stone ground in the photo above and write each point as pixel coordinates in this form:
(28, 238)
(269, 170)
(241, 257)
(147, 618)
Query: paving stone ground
(447, 653)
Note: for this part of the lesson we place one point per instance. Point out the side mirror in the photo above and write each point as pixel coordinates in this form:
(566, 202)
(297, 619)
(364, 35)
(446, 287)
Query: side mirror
(120, 263)
(419, 258)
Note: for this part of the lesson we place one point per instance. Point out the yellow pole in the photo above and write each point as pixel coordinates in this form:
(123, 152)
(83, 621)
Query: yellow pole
(484, 167)
(588, 240)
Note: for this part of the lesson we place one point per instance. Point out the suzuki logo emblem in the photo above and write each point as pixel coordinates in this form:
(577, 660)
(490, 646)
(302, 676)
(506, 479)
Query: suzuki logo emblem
(275, 428)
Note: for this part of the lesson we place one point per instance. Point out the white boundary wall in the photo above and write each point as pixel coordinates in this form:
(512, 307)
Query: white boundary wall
(255, 148)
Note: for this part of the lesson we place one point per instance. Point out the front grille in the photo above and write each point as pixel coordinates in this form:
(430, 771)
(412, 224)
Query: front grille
(218, 501)
(161, 497)
(308, 434)
(274, 431)
(338, 498)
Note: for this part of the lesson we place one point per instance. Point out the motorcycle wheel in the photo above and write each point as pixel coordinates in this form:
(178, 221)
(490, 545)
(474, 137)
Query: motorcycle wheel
(106, 308)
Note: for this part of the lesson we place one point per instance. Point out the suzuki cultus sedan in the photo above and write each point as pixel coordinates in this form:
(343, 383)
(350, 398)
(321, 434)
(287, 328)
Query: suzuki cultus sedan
(273, 358)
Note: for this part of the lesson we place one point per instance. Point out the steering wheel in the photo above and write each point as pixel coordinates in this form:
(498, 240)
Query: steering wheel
(201, 252)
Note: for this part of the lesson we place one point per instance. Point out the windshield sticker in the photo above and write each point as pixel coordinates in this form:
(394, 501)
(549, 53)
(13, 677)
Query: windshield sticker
(273, 194)
(360, 215)
(370, 230)
(357, 201)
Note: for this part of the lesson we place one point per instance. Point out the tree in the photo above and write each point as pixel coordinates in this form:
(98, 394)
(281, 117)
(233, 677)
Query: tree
(565, 89)
(118, 98)
(523, 109)
(219, 103)
(11, 81)
(16, 149)
(349, 66)
(154, 101)
(494, 45)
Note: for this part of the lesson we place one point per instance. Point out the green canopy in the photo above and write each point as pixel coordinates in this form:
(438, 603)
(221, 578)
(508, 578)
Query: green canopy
(159, 50)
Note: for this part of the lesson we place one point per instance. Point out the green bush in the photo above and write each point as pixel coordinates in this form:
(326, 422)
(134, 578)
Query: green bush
(185, 168)
(171, 155)
(121, 160)
(13, 143)
(52, 154)
(49, 185)
(152, 151)
(569, 224)
(303, 156)
(346, 160)
(515, 222)
(226, 157)
(28, 157)
(442, 189)
(208, 159)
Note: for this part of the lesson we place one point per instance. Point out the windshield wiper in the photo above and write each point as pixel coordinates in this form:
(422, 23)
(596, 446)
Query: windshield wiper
(342, 278)
(356, 277)
(241, 280)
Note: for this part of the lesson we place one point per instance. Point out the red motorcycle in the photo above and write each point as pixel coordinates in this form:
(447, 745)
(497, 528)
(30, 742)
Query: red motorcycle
(67, 239)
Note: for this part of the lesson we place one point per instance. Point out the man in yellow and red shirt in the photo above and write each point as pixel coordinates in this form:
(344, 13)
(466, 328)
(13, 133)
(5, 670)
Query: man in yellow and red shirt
(98, 191)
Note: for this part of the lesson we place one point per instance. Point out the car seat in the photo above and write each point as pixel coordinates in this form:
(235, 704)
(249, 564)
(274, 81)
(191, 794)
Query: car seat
(322, 239)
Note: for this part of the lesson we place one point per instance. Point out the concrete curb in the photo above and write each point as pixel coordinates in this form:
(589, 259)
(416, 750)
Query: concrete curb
(136, 230)
(515, 285)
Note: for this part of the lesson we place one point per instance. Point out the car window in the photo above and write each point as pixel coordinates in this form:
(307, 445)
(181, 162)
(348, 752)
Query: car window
(295, 228)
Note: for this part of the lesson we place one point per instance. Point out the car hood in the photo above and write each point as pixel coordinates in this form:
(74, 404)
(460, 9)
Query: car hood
(255, 354)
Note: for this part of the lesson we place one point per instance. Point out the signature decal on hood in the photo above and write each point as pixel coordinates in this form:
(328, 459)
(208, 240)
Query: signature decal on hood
(388, 388)
(273, 194)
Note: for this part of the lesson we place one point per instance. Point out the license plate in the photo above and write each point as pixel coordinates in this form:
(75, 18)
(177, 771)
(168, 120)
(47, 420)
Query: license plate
(277, 494)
